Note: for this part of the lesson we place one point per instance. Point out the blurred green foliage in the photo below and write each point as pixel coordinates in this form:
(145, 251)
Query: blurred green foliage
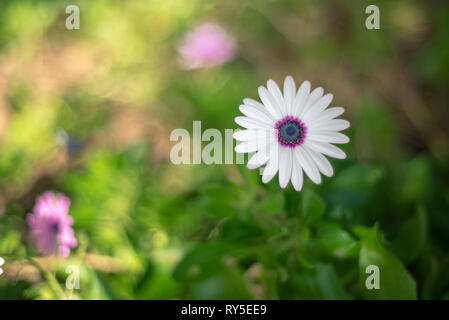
(88, 112)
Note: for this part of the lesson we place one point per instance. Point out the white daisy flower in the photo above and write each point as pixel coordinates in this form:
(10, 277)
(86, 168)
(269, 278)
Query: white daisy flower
(290, 132)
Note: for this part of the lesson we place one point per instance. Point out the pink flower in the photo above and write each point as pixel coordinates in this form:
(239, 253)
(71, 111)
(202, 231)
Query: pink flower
(208, 45)
(51, 226)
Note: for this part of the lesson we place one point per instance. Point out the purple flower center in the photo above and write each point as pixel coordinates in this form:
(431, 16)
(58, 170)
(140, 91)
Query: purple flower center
(291, 131)
(54, 227)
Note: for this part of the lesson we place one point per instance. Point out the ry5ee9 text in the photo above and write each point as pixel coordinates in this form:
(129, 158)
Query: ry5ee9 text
(245, 309)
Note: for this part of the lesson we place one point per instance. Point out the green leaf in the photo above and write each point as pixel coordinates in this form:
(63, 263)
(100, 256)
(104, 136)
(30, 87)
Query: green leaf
(360, 176)
(376, 131)
(272, 203)
(230, 284)
(219, 194)
(292, 201)
(411, 238)
(312, 206)
(156, 283)
(337, 241)
(414, 180)
(204, 261)
(240, 229)
(321, 282)
(219, 199)
(353, 187)
(395, 281)
(437, 283)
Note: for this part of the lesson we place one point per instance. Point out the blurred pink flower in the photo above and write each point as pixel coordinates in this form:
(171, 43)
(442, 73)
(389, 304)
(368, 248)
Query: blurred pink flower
(51, 225)
(208, 45)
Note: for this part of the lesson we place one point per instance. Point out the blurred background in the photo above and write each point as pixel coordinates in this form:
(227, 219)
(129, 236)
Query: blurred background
(89, 113)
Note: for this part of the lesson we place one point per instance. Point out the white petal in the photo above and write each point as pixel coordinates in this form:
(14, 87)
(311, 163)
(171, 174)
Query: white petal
(301, 98)
(249, 123)
(259, 106)
(330, 125)
(297, 179)
(325, 148)
(253, 103)
(246, 147)
(258, 139)
(277, 94)
(252, 134)
(307, 164)
(259, 158)
(289, 93)
(327, 136)
(326, 115)
(272, 166)
(318, 107)
(285, 166)
(256, 114)
(270, 103)
(321, 161)
(244, 135)
(311, 100)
